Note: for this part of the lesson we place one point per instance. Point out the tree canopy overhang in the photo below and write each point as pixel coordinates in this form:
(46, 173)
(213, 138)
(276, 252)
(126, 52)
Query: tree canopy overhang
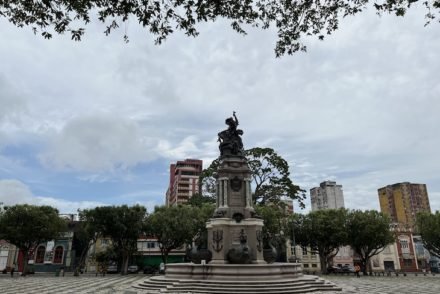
(293, 20)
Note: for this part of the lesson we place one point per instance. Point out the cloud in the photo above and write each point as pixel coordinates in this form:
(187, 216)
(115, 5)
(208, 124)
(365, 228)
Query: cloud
(105, 146)
(186, 148)
(16, 192)
(13, 105)
(434, 199)
(98, 143)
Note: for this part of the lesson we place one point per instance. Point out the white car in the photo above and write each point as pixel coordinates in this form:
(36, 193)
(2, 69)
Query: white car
(133, 269)
(162, 268)
(113, 268)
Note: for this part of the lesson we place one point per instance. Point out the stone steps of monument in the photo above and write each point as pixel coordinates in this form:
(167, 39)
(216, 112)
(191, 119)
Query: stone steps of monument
(262, 283)
(223, 290)
(305, 278)
(236, 287)
(248, 290)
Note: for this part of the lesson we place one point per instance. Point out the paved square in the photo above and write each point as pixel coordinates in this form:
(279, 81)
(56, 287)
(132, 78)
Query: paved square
(45, 284)
(387, 285)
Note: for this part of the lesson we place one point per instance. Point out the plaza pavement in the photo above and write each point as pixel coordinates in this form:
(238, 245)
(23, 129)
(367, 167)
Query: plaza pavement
(410, 284)
(48, 284)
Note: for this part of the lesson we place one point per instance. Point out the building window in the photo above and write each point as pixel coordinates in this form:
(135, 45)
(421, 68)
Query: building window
(314, 265)
(39, 258)
(306, 265)
(407, 262)
(304, 250)
(404, 244)
(144, 245)
(58, 257)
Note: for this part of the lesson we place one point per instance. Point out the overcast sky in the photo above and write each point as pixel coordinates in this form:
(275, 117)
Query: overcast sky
(99, 121)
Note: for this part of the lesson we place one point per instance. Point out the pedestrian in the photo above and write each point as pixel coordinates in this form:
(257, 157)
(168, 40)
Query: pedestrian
(12, 270)
(357, 269)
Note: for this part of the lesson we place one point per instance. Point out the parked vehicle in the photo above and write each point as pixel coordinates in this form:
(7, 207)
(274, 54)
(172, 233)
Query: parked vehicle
(133, 269)
(347, 269)
(112, 269)
(162, 268)
(149, 270)
(334, 269)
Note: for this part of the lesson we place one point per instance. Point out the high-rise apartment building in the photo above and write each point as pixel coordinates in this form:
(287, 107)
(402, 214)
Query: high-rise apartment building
(402, 201)
(327, 196)
(184, 181)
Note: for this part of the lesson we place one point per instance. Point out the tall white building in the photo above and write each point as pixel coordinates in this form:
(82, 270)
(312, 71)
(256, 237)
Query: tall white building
(327, 195)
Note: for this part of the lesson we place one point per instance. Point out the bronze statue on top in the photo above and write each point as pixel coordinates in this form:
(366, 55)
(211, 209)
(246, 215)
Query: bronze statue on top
(230, 140)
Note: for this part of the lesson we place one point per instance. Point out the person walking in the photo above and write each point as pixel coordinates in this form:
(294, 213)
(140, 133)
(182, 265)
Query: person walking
(357, 269)
(12, 270)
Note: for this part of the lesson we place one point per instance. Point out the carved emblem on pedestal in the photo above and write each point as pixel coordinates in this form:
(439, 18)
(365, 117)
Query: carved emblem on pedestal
(217, 237)
(243, 237)
(236, 184)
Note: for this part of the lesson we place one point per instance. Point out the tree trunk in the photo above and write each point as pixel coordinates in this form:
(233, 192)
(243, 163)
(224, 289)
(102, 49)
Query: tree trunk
(164, 255)
(364, 266)
(25, 261)
(323, 263)
(81, 260)
(368, 268)
(125, 257)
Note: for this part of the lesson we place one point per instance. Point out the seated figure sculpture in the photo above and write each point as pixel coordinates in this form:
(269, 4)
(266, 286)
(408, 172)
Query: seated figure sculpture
(230, 140)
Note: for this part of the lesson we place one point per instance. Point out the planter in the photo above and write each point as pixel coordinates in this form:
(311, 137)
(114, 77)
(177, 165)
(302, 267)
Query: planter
(197, 255)
(270, 254)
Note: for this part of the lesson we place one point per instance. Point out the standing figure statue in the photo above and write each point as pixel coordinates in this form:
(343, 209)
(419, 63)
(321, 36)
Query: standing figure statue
(230, 140)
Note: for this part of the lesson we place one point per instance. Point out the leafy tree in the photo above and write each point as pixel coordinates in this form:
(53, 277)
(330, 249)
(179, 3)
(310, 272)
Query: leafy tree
(275, 229)
(122, 224)
(103, 258)
(203, 208)
(201, 214)
(323, 231)
(428, 226)
(199, 200)
(173, 227)
(271, 177)
(207, 181)
(292, 19)
(270, 174)
(86, 234)
(368, 234)
(26, 226)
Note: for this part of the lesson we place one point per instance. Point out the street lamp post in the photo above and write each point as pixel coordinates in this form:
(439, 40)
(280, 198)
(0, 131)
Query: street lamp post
(293, 246)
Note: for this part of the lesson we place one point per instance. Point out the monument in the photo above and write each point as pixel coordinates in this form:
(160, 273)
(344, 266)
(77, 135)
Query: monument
(234, 232)
(235, 240)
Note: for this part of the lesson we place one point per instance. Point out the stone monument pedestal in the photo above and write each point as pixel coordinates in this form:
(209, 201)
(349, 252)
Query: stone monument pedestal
(226, 236)
(235, 232)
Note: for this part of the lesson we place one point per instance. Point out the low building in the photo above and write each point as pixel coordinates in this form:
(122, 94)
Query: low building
(149, 253)
(344, 256)
(50, 256)
(8, 255)
(387, 260)
(309, 259)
